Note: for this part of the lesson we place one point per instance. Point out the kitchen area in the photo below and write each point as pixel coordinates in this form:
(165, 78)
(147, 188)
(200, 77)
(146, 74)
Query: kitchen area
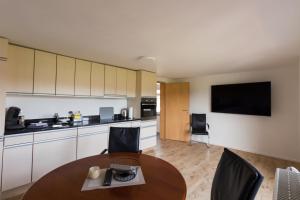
(56, 109)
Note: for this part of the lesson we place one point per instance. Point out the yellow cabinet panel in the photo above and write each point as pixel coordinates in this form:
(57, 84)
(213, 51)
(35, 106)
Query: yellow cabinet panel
(110, 80)
(44, 72)
(83, 78)
(97, 80)
(65, 75)
(20, 69)
(131, 83)
(121, 81)
(148, 84)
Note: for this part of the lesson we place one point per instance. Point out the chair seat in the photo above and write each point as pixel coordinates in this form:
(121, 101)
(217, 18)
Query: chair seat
(199, 132)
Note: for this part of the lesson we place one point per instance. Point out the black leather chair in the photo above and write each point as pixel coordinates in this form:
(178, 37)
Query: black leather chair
(123, 139)
(199, 126)
(235, 179)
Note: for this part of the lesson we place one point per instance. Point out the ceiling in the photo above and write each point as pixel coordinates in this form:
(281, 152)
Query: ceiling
(187, 37)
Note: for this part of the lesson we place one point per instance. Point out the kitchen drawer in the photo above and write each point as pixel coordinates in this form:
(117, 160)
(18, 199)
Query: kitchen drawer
(53, 135)
(148, 131)
(93, 129)
(136, 123)
(122, 124)
(148, 142)
(18, 139)
(148, 123)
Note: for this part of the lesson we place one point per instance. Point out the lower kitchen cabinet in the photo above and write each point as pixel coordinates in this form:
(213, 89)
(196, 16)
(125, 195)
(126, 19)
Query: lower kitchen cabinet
(48, 155)
(146, 143)
(17, 163)
(148, 135)
(91, 144)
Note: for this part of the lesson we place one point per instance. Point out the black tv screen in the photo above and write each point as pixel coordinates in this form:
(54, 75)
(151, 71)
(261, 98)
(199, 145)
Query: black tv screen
(244, 98)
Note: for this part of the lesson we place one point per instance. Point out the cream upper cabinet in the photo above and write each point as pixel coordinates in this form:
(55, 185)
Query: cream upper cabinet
(121, 81)
(20, 69)
(44, 72)
(110, 80)
(83, 78)
(97, 80)
(65, 78)
(3, 48)
(131, 83)
(148, 84)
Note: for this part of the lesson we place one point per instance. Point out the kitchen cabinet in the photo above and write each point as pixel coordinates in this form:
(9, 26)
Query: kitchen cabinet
(83, 78)
(3, 48)
(121, 82)
(97, 80)
(92, 141)
(2, 110)
(44, 72)
(65, 82)
(17, 161)
(20, 69)
(110, 80)
(148, 134)
(147, 84)
(131, 83)
(53, 149)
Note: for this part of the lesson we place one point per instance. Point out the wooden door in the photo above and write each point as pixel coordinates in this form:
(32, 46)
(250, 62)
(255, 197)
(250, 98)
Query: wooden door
(131, 83)
(97, 80)
(177, 119)
(65, 75)
(83, 78)
(121, 81)
(110, 80)
(20, 69)
(44, 72)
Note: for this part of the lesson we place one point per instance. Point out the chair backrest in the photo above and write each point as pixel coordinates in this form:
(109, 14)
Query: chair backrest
(123, 139)
(235, 179)
(198, 122)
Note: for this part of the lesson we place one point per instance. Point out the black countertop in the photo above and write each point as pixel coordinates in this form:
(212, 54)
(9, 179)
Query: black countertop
(74, 125)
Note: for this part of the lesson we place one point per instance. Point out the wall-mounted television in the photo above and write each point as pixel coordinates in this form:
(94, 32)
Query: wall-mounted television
(243, 98)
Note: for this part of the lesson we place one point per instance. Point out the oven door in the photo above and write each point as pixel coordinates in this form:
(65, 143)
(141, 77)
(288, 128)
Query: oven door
(148, 110)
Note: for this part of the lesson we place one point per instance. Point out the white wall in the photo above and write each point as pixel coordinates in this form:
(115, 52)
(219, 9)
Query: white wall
(276, 136)
(44, 107)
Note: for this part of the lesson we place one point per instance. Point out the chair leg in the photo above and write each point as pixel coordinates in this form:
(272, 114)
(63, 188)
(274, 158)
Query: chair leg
(207, 144)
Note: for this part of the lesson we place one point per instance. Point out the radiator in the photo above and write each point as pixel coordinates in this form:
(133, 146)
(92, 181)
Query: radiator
(287, 185)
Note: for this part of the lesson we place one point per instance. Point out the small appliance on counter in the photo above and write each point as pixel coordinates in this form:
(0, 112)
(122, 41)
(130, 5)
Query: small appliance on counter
(12, 119)
(130, 112)
(106, 113)
(124, 113)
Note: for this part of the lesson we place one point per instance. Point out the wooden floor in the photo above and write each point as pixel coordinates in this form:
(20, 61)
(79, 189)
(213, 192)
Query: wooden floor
(197, 163)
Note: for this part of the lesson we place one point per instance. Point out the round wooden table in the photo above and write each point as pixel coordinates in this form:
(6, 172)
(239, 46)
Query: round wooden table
(163, 181)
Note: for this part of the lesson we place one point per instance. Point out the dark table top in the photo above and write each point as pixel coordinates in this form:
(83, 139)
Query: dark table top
(74, 125)
(163, 180)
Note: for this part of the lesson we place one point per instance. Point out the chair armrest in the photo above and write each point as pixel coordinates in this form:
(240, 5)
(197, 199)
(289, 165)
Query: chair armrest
(207, 126)
(140, 151)
(103, 152)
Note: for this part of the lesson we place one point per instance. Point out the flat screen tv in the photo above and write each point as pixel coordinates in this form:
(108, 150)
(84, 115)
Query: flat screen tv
(244, 98)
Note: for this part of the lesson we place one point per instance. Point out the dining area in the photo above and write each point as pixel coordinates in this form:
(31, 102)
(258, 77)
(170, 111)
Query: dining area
(123, 171)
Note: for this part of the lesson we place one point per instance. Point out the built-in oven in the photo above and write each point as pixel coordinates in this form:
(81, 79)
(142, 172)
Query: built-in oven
(148, 108)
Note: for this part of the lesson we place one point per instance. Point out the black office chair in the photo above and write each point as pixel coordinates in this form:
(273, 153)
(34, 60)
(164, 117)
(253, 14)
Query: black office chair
(235, 179)
(199, 126)
(123, 139)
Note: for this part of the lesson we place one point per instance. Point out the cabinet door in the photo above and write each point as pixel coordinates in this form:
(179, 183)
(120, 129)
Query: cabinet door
(52, 154)
(44, 72)
(20, 69)
(17, 163)
(148, 142)
(147, 132)
(65, 75)
(110, 80)
(131, 83)
(121, 81)
(97, 80)
(91, 144)
(148, 84)
(83, 78)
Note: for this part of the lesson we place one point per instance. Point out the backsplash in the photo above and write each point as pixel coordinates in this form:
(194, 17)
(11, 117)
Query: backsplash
(45, 106)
